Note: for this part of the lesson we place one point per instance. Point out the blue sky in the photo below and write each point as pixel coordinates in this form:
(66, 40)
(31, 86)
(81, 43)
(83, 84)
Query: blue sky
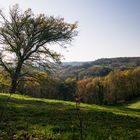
(107, 28)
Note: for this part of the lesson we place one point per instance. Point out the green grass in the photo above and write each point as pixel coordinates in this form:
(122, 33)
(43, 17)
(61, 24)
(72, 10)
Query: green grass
(135, 104)
(43, 119)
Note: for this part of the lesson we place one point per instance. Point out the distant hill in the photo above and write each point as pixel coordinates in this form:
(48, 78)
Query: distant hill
(76, 63)
(100, 67)
(126, 62)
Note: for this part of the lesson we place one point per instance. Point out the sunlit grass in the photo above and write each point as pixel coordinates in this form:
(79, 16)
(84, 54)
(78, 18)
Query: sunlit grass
(134, 105)
(56, 119)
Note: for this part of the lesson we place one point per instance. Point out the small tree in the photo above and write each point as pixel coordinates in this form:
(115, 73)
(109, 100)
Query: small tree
(23, 39)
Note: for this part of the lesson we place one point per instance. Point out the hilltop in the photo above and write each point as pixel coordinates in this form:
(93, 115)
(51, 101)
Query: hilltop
(100, 67)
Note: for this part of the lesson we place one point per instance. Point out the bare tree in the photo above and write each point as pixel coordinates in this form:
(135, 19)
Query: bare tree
(24, 38)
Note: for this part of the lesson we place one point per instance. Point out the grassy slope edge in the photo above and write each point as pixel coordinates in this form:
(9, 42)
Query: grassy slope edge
(36, 118)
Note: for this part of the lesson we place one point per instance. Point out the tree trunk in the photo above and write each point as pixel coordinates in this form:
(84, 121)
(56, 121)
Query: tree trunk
(13, 85)
(15, 78)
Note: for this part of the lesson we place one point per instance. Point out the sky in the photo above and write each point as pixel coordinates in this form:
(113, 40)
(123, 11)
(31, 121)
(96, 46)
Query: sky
(107, 28)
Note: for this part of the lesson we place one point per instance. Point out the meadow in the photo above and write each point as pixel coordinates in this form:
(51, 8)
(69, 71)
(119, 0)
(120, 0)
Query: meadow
(27, 118)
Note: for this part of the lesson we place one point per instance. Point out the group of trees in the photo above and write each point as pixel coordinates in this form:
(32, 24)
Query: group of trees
(41, 84)
(117, 87)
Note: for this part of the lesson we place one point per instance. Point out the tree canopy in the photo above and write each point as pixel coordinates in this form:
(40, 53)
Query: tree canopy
(24, 38)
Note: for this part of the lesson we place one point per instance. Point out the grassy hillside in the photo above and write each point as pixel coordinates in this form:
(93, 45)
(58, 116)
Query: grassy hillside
(41, 119)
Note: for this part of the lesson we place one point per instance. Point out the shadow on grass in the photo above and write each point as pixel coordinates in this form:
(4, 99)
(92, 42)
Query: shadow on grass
(58, 118)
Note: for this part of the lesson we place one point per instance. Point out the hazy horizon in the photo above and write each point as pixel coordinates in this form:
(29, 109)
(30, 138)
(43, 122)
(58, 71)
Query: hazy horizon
(101, 58)
(107, 28)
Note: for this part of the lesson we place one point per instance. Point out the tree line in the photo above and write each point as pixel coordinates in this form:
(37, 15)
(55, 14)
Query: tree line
(118, 86)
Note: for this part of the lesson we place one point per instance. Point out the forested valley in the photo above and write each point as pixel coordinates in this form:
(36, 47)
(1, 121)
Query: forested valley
(105, 81)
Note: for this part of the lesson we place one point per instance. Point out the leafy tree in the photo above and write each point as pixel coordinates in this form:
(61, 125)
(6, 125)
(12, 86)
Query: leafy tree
(4, 82)
(134, 82)
(23, 39)
(40, 84)
(115, 84)
(82, 92)
(67, 89)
